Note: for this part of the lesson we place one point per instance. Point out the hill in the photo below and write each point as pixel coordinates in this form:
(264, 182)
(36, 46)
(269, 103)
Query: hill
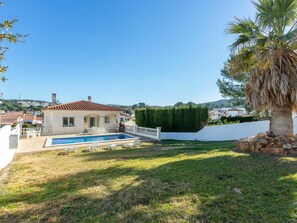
(217, 104)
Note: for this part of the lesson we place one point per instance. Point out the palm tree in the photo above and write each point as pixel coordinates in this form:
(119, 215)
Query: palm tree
(266, 48)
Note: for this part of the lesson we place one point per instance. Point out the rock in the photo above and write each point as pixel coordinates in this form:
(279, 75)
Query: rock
(261, 135)
(279, 151)
(266, 149)
(292, 152)
(266, 143)
(243, 144)
(274, 151)
(253, 147)
(287, 146)
(263, 141)
(294, 145)
(257, 146)
(236, 190)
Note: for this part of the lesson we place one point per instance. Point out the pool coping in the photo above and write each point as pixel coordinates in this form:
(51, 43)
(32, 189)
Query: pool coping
(48, 142)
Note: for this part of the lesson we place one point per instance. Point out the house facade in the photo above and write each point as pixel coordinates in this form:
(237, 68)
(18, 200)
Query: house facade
(236, 112)
(79, 116)
(217, 113)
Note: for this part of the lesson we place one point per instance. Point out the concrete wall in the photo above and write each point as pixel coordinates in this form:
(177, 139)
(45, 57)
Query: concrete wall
(6, 154)
(54, 120)
(4, 137)
(223, 132)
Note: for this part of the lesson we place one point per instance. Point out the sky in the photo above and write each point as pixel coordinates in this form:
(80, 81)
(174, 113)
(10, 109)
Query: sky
(119, 51)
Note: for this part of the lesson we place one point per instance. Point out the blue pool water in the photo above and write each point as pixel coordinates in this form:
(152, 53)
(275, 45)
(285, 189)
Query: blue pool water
(87, 139)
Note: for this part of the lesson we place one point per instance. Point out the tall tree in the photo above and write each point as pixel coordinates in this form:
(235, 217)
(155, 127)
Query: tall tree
(232, 87)
(6, 35)
(266, 48)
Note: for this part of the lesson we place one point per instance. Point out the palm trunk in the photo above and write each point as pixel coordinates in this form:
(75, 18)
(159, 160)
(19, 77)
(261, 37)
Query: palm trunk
(281, 122)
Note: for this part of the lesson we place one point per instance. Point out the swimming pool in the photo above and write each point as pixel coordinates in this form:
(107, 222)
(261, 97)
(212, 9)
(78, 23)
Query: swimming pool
(88, 139)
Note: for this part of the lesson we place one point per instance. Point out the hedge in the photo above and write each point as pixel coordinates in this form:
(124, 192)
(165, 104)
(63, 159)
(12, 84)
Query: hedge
(239, 119)
(181, 119)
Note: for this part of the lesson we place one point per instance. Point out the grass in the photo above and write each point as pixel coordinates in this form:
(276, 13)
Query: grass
(169, 182)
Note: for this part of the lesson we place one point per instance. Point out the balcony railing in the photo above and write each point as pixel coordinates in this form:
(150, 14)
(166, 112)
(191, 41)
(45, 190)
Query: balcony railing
(44, 131)
(146, 132)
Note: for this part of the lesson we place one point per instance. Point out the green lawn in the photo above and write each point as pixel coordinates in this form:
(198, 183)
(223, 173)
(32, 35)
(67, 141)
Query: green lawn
(169, 182)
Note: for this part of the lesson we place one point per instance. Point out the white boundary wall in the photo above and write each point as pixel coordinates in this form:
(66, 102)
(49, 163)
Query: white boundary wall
(223, 132)
(7, 135)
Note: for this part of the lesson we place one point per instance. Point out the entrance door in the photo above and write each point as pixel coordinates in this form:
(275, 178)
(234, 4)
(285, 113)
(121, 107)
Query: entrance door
(92, 122)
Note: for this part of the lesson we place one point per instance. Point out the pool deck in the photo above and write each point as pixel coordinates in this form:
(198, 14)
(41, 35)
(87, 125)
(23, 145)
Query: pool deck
(38, 144)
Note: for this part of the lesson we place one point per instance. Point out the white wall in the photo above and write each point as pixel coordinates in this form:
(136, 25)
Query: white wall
(54, 120)
(232, 113)
(223, 132)
(6, 154)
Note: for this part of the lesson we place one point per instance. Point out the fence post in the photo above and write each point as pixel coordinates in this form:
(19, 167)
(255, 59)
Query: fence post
(134, 129)
(159, 133)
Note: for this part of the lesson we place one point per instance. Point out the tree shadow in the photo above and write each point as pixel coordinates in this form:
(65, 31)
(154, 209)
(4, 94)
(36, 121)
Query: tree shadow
(176, 148)
(193, 190)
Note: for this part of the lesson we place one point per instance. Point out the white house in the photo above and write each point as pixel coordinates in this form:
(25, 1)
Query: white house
(236, 112)
(77, 117)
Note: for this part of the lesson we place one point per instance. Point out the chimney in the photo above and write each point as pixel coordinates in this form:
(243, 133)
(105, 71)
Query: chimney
(89, 99)
(54, 98)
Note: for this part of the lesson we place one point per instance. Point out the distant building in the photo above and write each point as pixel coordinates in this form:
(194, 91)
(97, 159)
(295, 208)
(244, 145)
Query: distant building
(32, 119)
(37, 113)
(11, 118)
(217, 113)
(28, 103)
(236, 112)
(214, 115)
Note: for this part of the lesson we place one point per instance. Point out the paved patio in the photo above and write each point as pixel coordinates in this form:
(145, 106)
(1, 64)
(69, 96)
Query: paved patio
(36, 144)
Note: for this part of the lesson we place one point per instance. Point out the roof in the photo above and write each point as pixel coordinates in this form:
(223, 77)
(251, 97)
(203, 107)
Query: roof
(235, 109)
(31, 117)
(83, 106)
(9, 119)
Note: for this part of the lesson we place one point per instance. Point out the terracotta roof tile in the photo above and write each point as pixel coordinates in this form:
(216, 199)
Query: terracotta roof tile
(8, 119)
(83, 105)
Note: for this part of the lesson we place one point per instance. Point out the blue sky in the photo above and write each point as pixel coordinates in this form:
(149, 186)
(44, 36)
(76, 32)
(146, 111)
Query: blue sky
(119, 51)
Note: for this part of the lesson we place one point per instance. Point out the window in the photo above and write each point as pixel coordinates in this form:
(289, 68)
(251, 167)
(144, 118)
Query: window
(107, 119)
(68, 121)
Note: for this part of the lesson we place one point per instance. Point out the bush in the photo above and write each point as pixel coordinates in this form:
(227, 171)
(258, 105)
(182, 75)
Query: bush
(175, 119)
(25, 125)
(239, 119)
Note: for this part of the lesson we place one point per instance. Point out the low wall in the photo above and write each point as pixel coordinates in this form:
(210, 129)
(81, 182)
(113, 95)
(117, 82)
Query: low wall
(7, 148)
(223, 132)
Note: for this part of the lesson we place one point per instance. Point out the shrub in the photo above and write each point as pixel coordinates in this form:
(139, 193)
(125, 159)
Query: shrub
(239, 119)
(175, 119)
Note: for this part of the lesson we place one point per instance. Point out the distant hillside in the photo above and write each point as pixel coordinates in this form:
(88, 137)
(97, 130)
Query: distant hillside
(25, 100)
(223, 103)
(24, 105)
(217, 104)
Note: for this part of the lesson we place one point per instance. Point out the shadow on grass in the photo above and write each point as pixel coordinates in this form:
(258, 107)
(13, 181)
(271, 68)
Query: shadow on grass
(160, 150)
(184, 190)
(170, 142)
